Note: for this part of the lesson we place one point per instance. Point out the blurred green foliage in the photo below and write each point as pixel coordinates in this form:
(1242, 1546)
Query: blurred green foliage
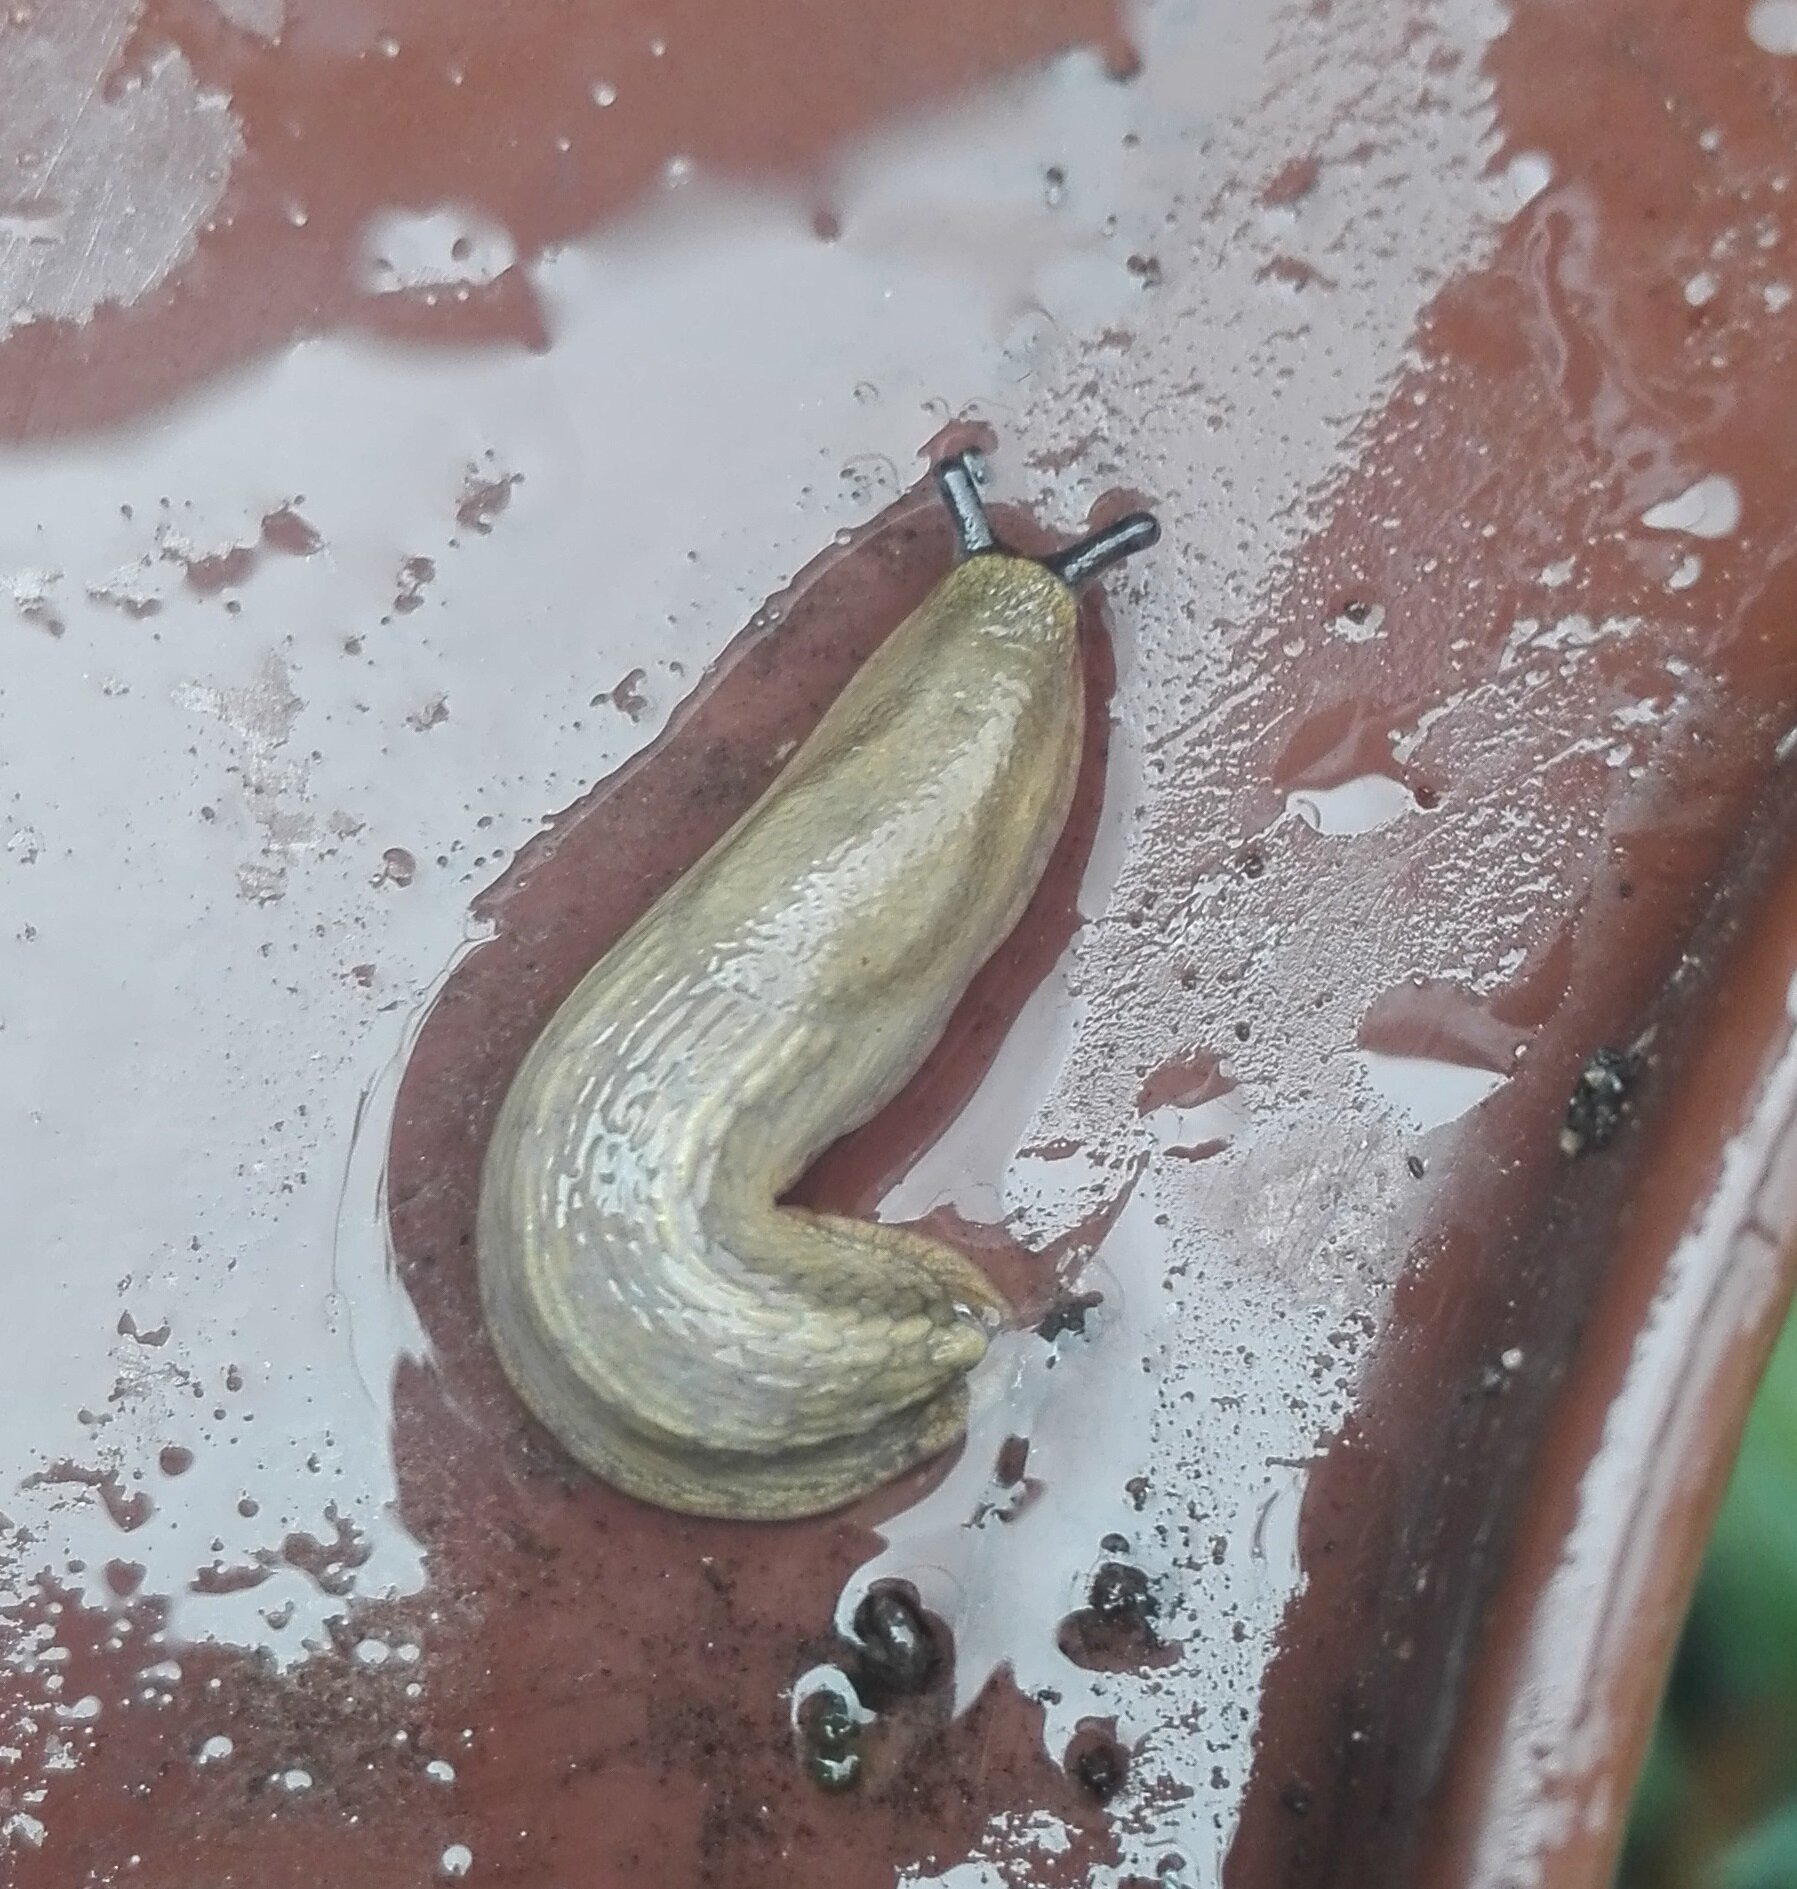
(1717, 1803)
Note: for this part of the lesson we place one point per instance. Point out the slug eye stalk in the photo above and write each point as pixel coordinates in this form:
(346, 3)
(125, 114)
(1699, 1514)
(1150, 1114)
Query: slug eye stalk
(1078, 564)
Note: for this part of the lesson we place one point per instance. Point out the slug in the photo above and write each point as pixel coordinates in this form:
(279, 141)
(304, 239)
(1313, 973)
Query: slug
(682, 1334)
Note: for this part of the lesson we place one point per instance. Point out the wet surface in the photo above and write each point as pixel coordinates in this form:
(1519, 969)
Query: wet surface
(451, 456)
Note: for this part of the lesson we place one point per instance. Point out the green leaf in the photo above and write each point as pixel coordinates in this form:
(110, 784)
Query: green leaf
(1766, 1857)
(1748, 1589)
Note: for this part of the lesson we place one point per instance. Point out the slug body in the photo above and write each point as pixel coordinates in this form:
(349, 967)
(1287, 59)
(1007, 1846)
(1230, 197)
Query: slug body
(681, 1334)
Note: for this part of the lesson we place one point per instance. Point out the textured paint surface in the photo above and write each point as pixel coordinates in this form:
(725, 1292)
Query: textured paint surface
(415, 581)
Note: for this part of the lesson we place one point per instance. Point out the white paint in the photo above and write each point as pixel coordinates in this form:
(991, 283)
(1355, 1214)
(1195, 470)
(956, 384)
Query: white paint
(447, 247)
(1521, 181)
(1772, 26)
(1361, 805)
(1710, 508)
(110, 171)
(1427, 1092)
(22, 1827)
(264, 18)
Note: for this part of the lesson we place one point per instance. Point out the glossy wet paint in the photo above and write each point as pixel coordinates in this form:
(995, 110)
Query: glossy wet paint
(416, 578)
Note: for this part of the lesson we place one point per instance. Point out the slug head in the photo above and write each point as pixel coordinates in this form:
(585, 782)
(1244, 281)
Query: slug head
(1078, 564)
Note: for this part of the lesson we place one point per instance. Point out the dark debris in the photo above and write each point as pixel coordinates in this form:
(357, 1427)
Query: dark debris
(1602, 1100)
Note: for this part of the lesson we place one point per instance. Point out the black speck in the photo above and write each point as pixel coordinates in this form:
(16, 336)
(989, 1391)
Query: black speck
(1414, 1162)
(831, 1744)
(1068, 1315)
(899, 1654)
(1602, 1099)
(1100, 1769)
(1121, 1592)
(1296, 1797)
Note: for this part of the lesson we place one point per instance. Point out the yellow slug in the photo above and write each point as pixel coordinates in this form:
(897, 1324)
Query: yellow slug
(681, 1333)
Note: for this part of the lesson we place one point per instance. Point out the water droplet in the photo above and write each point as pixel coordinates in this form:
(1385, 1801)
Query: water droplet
(1702, 287)
(869, 479)
(604, 94)
(456, 1861)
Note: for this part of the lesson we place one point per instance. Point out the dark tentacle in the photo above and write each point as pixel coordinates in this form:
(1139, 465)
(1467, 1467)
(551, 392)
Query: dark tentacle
(1098, 551)
(1078, 564)
(954, 480)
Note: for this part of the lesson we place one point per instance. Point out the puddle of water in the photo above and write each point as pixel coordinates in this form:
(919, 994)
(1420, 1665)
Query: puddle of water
(1361, 805)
